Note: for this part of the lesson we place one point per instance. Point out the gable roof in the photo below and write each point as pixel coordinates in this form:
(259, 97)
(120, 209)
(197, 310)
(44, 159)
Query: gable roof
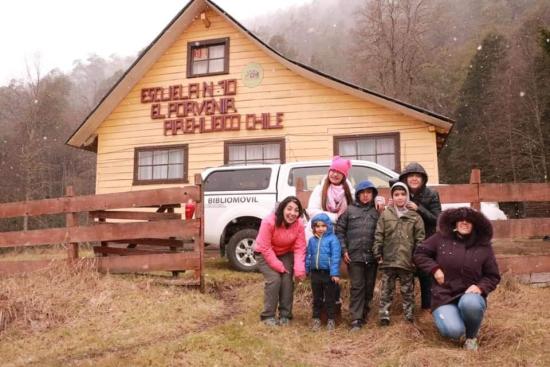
(84, 137)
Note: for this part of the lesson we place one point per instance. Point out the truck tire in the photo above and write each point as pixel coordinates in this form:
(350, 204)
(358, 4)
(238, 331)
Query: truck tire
(240, 252)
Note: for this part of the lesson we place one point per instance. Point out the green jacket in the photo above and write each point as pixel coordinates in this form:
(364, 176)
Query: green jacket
(396, 238)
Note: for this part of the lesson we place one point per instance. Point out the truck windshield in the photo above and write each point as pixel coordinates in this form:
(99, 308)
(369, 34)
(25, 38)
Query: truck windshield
(238, 180)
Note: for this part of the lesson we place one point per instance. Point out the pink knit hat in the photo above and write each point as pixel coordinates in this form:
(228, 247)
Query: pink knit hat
(341, 165)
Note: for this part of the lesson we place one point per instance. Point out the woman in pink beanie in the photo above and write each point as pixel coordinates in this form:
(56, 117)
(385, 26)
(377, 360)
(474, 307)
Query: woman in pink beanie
(334, 194)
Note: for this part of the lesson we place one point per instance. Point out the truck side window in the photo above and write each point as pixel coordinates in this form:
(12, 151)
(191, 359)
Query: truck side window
(238, 180)
(359, 173)
(311, 176)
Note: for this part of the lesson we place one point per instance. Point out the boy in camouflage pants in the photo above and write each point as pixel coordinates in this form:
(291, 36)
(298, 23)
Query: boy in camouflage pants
(398, 231)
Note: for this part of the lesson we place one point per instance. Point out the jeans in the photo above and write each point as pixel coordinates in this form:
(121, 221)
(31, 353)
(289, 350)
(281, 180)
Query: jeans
(278, 287)
(455, 320)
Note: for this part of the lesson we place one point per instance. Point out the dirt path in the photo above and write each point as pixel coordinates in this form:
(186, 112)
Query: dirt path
(231, 308)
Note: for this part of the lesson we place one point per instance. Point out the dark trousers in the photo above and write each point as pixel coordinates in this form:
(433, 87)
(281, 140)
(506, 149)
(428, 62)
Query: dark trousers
(278, 287)
(362, 277)
(425, 281)
(324, 292)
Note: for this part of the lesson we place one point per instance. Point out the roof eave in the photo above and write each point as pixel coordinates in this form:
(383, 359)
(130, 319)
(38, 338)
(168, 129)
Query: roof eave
(86, 131)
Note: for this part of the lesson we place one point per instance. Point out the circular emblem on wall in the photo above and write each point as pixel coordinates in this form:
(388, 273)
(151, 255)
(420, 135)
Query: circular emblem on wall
(252, 74)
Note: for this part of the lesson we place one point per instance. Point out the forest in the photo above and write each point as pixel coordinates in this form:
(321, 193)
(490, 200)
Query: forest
(486, 64)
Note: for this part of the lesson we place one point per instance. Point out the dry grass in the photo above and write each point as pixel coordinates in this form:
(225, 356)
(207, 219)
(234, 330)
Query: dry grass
(78, 317)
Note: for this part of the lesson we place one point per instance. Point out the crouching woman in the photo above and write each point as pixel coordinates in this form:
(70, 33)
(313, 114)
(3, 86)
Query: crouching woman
(461, 260)
(280, 252)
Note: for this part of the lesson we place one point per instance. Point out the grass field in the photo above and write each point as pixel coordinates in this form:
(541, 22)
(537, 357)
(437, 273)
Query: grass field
(76, 317)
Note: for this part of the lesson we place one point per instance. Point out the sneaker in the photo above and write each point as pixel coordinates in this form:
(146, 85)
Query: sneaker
(356, 325)
(316, 324)
(471, 344)
(331, 325)
(284, 321)
(270, 321)
(384, 322)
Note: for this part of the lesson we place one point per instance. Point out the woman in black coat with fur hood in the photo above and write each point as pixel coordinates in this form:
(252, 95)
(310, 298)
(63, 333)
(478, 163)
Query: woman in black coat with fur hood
(460, 258)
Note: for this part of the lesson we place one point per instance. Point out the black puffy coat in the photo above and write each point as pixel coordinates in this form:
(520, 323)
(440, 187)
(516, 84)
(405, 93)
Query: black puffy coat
(356, 226)
(427, 200)
(464, 261)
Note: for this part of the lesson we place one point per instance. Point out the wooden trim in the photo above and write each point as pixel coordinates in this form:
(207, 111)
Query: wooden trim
(280, 141)
(154, 242)
(122, 251)
(184, 179)
(101, 232)
(396, 136)
(195, 44)
(103, 214)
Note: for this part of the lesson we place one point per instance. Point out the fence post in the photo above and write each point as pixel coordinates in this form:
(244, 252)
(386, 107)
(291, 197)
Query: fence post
(200, 216)
(71, 221)
(475, 179)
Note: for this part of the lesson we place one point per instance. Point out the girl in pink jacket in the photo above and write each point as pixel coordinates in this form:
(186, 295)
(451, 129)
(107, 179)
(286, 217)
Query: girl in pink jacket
(280, 252)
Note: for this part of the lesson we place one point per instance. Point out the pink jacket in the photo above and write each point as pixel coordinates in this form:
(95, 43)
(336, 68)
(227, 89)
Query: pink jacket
(274, 241)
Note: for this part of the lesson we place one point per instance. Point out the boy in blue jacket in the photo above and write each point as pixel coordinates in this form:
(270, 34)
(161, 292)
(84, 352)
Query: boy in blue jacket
(323, 265)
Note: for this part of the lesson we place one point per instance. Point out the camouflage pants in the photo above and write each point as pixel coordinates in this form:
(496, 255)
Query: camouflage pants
(406, 280)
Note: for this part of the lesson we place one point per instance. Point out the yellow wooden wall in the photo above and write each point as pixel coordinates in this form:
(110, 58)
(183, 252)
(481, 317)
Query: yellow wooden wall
(313, 114)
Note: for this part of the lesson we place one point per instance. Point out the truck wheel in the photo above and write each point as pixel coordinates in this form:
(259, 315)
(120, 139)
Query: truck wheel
(240, 250)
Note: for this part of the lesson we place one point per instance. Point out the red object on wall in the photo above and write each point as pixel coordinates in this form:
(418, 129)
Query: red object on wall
(190, 209)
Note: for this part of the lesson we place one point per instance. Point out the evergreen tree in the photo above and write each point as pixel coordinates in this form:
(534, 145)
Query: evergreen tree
(467, 144)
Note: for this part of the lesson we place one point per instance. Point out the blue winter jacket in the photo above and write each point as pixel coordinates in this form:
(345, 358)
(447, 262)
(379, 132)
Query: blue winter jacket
(324, 253)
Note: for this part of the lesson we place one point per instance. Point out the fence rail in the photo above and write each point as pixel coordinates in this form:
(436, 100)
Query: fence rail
(476, 192)
(131, 237)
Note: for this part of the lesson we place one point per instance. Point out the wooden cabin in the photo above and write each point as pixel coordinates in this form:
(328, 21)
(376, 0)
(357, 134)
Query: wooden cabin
(207, 92)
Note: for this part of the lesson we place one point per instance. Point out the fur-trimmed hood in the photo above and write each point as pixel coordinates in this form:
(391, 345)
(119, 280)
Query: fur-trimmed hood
(482, 227)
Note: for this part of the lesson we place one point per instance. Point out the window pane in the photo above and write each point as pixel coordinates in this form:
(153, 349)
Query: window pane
(358, 174)
(385, 145)
(254, 152)
(272, 151)
(371, 158)
(252, 179)
(200, 67)
(145, 158)
(175, 156)
(366, 147)
(160, 157)
(160, 172)
(347, 148)
(216, 66)
(175, 171)
(145, 173)
(387, 160)
(311, 176)
(200, 53)
(237, 153)
(216, 52)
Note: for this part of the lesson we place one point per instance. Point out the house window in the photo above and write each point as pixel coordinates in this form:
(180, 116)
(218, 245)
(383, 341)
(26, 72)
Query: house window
(160, 165)
(380, 148)
(254, 152)
(210, 57)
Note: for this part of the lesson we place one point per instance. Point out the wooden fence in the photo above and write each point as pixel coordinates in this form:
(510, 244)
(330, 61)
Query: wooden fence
(128, 240)
(475, 192)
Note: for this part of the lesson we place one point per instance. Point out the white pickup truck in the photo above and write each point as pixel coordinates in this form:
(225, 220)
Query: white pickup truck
(236, 198)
